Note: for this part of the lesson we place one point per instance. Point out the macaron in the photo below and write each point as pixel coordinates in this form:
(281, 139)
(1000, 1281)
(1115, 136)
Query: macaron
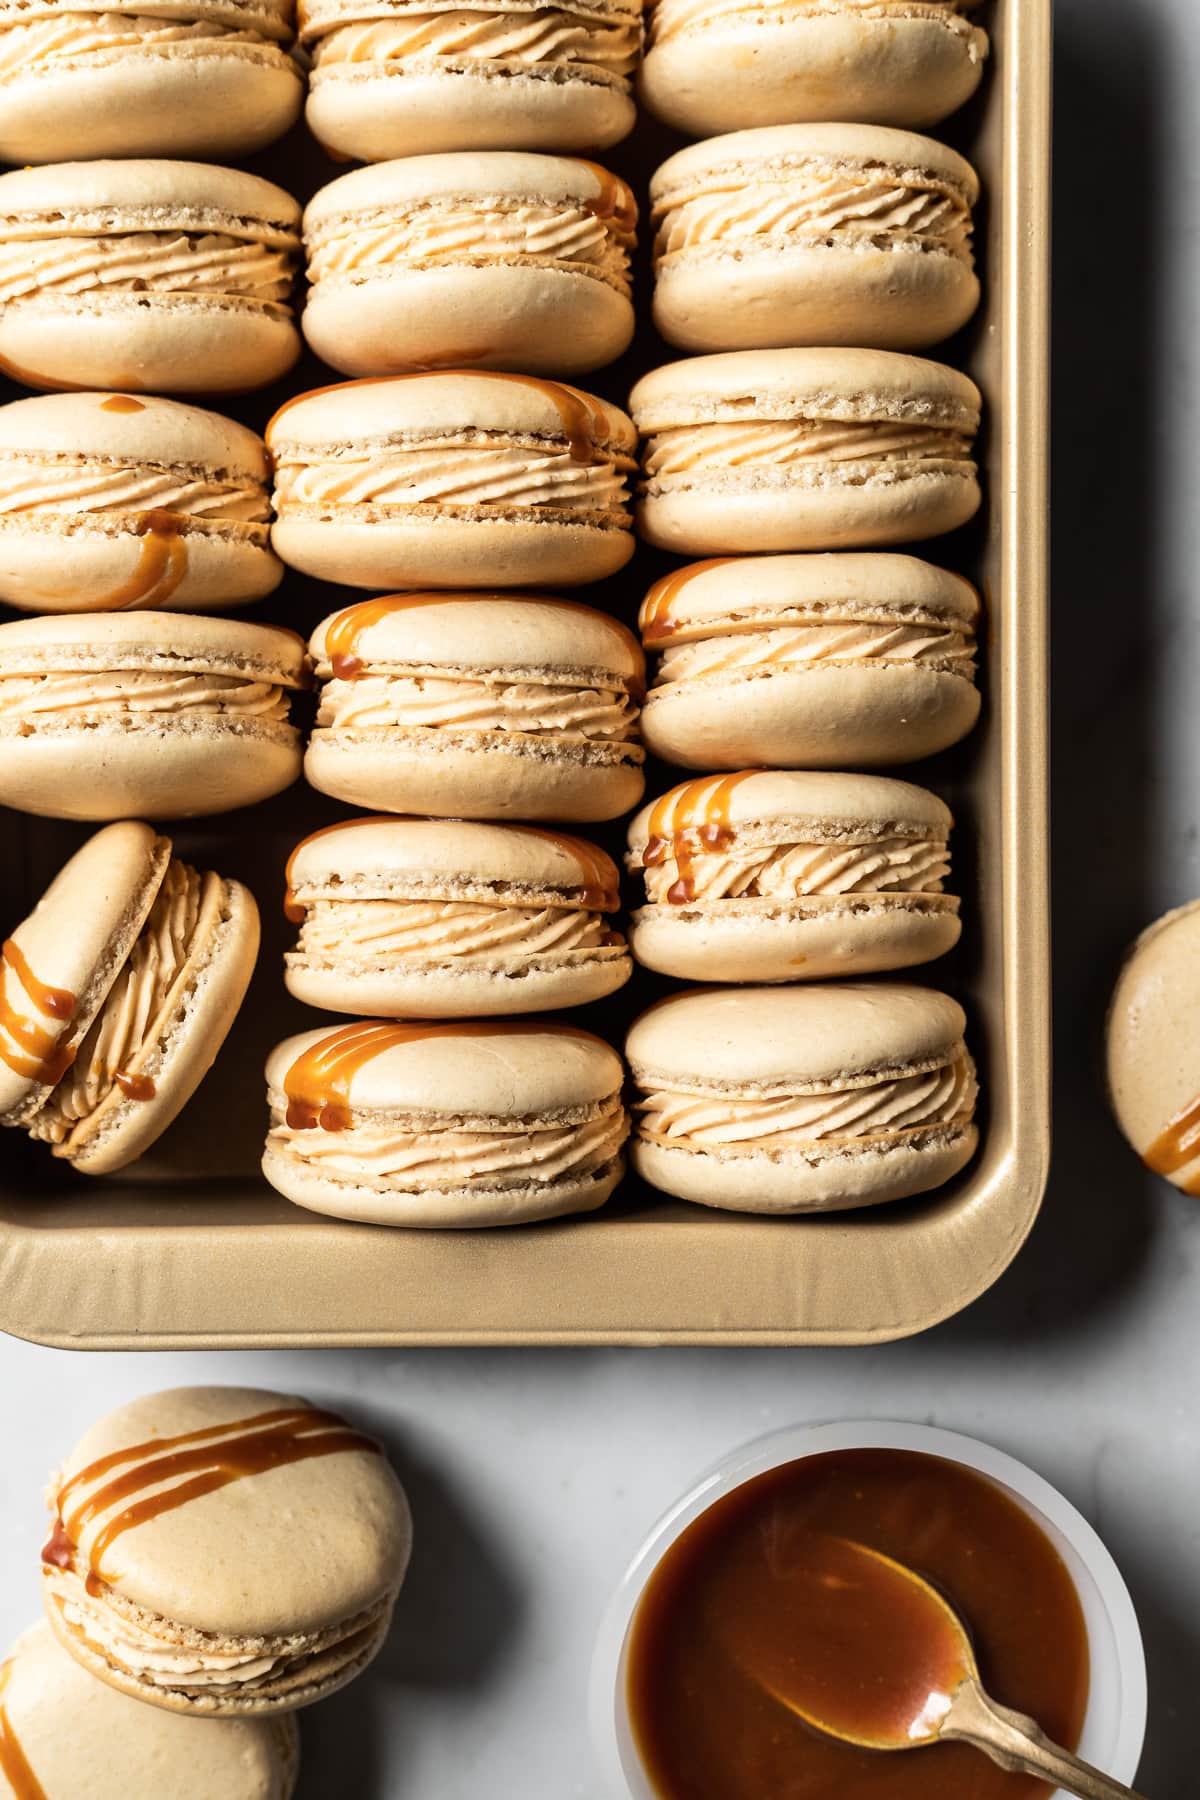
(436, 918)
(192, 78)
(224, 1552)
(493, 259)
(802, 1099)
(809, 661)
(768, 875)
(485, 706)
(116, 994)
(174, 277)
(390, 78)
(804, 450)
(164, 714)
(492, 1122)
(1153, 1047)
(110, 503)
(453, 479)
(64, 1734)
(813, 234)
(713, 66)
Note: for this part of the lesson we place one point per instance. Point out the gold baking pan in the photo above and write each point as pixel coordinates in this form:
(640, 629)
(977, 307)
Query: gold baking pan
(191, 1248)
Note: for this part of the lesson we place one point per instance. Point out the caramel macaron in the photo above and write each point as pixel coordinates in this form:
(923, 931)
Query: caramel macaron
(493, 260)
(440, 918)
(485, 706)
(172, 277)
(224, 1552)
(809, 661)
(802, 1099)
(808, 449)
(457, 479)
(1153, 1047)
(116, 994)
(446, 1126)
(770, 875)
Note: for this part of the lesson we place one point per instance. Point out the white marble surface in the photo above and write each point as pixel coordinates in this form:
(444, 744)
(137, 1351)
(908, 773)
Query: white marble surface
(534, 1475)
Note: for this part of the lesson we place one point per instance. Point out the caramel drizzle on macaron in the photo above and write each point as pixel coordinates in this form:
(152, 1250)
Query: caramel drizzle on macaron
(614, 204)
(15, 1766)
(1178, 1145)
(200, 1462)
(691, 821)
(122, 403)
(161, 566)
(40, 1057)
(654, 617)
(135, 1087)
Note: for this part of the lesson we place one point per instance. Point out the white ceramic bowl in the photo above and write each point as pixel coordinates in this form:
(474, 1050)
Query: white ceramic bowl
(1115, 1724)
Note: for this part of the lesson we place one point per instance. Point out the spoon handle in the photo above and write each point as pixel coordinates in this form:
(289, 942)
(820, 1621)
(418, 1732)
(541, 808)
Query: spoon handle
(1019, 1744)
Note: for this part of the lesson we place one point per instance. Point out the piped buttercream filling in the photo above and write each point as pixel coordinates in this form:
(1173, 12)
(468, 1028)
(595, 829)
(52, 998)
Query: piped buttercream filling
(669, 18)
(761, 207)
(566, 236)
(477, 705)
(475, 470)
(96, 36)
(72, 484)
(902, 865)
(423, 930)
(140, 691)
(162, 262)
(676, 456)
(851, 641)
(546, 36)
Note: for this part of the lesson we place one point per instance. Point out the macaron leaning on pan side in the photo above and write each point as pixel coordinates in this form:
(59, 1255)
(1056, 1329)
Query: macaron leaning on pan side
(486, 1123)
(495, 260)
(804, 450)
(813, 234)
(79, 1736)
(486, 706)
(714, 66)
(438, 918)
(172, 277)
(809, 661)
(116, 994)
(195, 78)
(110, 503)
(263, 1583)
(775, 876)
(453, 479)
(1153, 1047)
(802, 1099)
(167, 714)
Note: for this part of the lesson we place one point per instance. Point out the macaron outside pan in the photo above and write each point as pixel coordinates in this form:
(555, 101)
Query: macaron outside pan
(1153, 1047)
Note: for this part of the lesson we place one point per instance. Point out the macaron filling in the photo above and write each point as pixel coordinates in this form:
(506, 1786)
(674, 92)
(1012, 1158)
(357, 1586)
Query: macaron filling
(737, 646)
(438, 930)
(122, 693)
(40, 39)
(219, 259)
(760, 863)
(739, 452)
(587, 707)
(671, 18)
(53, 485)
(584, 43)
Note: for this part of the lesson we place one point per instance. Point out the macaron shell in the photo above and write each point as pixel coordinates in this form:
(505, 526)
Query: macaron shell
(493, 633)
(381, 858)
(1153, 1044)
(412, 989)
(450, 551)
(85, 562)
(858, 586)
(812, 940)
(837, 808)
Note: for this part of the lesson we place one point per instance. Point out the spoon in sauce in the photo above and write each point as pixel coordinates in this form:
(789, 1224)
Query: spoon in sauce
(886, 1664)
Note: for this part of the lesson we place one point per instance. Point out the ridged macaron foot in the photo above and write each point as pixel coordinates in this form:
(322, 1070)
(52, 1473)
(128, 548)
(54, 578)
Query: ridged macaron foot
(456, 478)
(116, 994)
(809, 661)
(198, 78)
(813, 234)
(447, 1126)
(808, 449)
(485, 706)
(109, 503)
(1153, 1047)
(802, 1099)
(391, 78)
(189, 1594)
(438, 918)
(712, 65)
(492, 260)
(769, 875)
(76, 1735)
(171, 277)
(168, 715)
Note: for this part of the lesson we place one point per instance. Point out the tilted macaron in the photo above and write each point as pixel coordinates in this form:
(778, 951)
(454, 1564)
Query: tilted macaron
(437, 918)
(163, 714)
(813, 234)
(714, 65)
(809, 661)
(183, 78)
(397, 77)
(804, 450)
(802, 1099)
(172, 277)
(486, 706)
(453, 479)
(492, 1122)
(110, 503)
(223, 1551)
(116, 994)
(496, 260)
(76, 1735)
(774, 876)
(1153, 1047)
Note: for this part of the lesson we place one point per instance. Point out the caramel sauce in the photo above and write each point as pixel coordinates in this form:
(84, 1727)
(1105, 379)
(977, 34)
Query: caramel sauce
(15, 1766)
(1178, 1145)
(121, 403)
(691, 821)
(135, 1087)
(199, 1462)
(762, 1598)
(39, 1057)
(654, 617)
(161, 565)
(615, 202)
